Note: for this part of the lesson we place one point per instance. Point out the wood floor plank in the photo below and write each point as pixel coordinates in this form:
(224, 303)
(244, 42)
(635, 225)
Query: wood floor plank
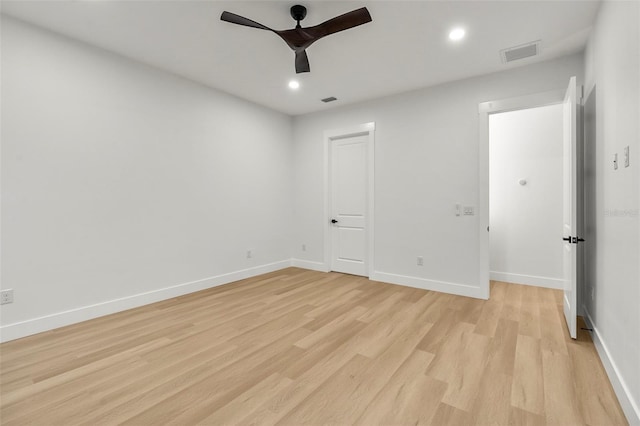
(529, 313)
(560, 399)
(327, 312)
(547, 305)
(518, 417)
(343, 398)
(246, 403)
(448, 354)
(106, 368)
(552, 338)
(382, 308)
(597, 408)
(471, 310)
(498, 291)
(305, 347)
(283, 402)
(527, 391)
(128, 401)
(213, 390)
(388, 329)
(330, 328)
(512, 302)
(489, 317)
(464, 380)
(502, 349)
(440, 332)
(448, 415)
(323, 348)
(408, 398)
(492, 403)
(331, 402)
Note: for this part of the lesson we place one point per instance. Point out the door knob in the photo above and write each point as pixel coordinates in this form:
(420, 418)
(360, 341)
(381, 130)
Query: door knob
(334, 221)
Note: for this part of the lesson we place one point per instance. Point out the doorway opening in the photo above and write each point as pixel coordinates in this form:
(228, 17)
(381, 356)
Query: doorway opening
(569, 235)
(525, 196)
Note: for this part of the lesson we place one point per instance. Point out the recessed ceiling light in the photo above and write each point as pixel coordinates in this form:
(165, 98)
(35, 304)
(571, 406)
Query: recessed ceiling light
(293, 84)
(457, 34)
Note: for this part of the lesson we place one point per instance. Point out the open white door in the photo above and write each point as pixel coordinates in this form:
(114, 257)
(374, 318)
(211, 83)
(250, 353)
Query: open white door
(569, 216)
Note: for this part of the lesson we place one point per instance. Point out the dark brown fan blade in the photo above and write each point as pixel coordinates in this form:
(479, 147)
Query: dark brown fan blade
(302, 62)
(340, 23)
(241, 20)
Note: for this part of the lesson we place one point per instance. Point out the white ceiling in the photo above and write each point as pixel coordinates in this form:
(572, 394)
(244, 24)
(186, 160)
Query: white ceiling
(405, 47)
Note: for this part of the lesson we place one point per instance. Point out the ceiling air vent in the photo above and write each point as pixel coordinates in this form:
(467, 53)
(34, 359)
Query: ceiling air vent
(520, 52)
(329, 99)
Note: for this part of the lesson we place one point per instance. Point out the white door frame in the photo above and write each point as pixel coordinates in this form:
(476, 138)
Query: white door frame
(485, 109)
(367, 129)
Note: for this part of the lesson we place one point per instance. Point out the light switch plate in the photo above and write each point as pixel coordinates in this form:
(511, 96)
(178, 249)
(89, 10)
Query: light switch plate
(615, 161)
(468, 211)
(626, 156)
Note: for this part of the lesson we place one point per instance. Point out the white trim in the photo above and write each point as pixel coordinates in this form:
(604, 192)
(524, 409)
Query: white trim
(426, 284)
(534, 100)
(309, 264)
(484, 110)
(629, 406)
(483, 206)
(547, 282)
(60, 319)
(330, 135)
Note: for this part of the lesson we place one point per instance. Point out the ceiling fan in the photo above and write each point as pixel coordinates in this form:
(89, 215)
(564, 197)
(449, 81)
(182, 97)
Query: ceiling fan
(299, 39)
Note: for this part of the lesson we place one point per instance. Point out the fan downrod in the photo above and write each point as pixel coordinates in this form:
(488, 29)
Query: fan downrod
(298, 13)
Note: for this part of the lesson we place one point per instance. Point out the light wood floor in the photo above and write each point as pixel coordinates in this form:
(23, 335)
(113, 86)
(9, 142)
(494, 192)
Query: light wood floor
(300, 347)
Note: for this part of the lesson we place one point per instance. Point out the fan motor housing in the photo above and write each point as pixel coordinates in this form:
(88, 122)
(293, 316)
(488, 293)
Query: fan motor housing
(298, 12)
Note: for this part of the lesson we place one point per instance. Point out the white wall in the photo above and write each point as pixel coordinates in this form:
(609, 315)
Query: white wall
(612, 301)
(426, 161)
(526, 220)
(120, 181)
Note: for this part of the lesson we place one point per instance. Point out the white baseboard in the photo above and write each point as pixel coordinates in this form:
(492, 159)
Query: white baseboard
(629, 406)
(60, 319)
(308, 264)
(534, 280)
(426, 284)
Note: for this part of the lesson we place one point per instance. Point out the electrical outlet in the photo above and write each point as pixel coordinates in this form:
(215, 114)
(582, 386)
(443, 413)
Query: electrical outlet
(468, 211)
(6, 296)
(420, 261)
(249, 254)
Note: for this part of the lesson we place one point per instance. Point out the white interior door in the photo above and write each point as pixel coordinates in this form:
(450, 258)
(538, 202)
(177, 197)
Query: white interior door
(569, 217)
(349, 204)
